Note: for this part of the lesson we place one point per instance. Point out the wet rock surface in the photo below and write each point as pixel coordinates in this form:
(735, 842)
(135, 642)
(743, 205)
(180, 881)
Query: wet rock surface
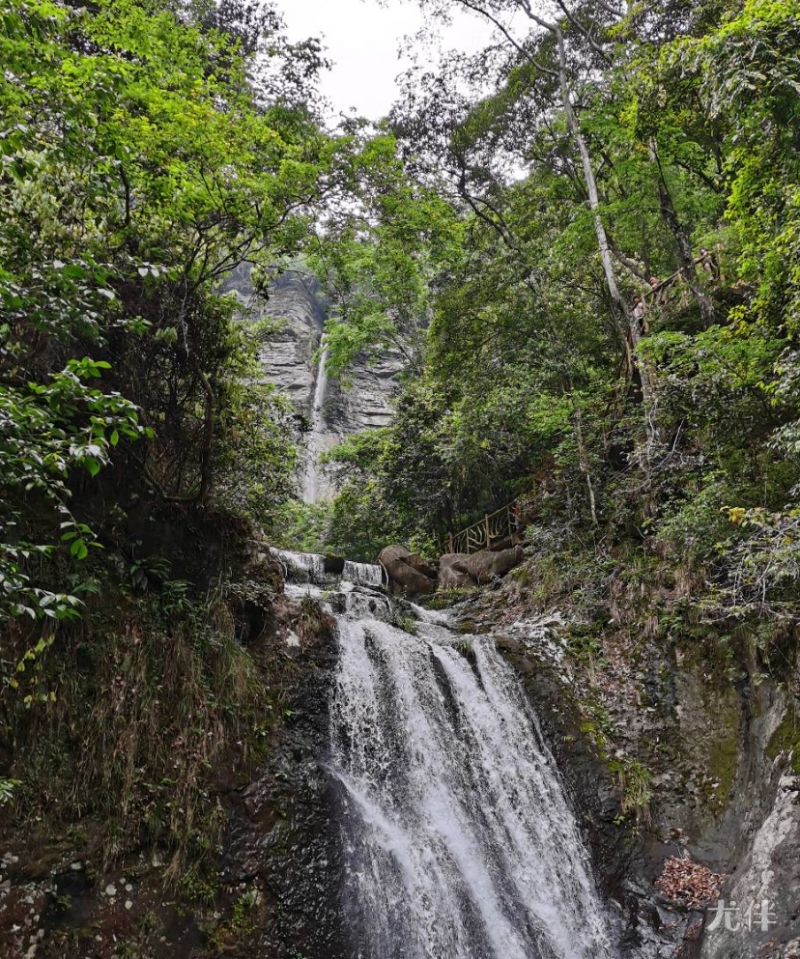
(284, 834)
(269, 889)
(462, 569)
(409, 574)
(717, 740)
(715, 736)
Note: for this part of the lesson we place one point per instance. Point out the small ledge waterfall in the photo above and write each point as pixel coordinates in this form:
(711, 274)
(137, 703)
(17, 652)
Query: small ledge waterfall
(364, 574)
(305, 567)
(459, 838)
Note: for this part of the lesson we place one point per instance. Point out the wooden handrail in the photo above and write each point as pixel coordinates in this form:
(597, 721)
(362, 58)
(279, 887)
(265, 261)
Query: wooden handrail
(504, 524)
(655, 295)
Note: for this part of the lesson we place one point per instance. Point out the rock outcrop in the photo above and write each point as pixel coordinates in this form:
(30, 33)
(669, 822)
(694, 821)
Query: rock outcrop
(464, 569)
(451, 577)
(408, 573)
(702, 768)
(762, 829)
(411, 575)
(288, 359)
(265, 876)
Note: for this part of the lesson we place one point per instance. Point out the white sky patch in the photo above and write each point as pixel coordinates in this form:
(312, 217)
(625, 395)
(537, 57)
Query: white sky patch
(363, 39)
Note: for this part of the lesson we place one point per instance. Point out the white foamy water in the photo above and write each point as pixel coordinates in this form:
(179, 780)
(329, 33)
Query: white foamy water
(460, 841)
(299, 591)
(364, 574)
(435, 616)
(307, 567)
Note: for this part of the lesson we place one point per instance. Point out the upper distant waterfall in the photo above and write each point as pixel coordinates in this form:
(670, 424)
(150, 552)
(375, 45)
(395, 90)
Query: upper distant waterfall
(316, 442)
(294, 357)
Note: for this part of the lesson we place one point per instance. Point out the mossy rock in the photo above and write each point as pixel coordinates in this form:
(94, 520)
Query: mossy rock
(786, 739)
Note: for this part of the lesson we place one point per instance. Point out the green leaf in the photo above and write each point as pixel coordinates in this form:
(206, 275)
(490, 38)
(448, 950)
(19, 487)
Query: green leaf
(75, 272)
(79, 549)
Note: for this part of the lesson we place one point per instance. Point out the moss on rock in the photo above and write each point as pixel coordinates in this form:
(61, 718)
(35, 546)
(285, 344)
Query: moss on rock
(786, 739)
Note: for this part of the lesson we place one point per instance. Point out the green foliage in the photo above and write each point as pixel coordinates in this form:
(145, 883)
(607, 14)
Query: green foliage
(49, 431)
(7, 787)
(147, 149)
(143, 156)
(750, 77)
(146, 708)
(376, 260)
(257, 460)
(362, 518)
(635, 780)
(546, 367)
(405, 623)
(303, 527)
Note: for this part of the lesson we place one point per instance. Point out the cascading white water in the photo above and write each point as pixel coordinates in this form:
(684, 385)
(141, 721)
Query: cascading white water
(308, 567)
(316, 442)
(460, 842)
(364, 574)
(459, 839)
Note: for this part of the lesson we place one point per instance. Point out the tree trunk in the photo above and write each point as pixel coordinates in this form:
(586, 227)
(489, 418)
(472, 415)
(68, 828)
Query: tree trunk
(634, 328)
(207, 447)
(670, 217)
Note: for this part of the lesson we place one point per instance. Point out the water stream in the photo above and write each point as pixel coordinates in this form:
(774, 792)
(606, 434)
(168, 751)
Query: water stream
(460, 842)
(302, 567)
(364, 574)
(316, 442)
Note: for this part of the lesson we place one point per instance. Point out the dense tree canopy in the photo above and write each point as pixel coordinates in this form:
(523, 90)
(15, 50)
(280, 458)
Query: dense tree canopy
(609, 329)
(583, 240)
(145, 153)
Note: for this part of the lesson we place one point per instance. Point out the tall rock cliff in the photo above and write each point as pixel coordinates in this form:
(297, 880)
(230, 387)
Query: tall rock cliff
(290, 359)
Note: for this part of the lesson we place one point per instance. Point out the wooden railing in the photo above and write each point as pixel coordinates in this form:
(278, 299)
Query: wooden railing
(665, 291)
(499, 527)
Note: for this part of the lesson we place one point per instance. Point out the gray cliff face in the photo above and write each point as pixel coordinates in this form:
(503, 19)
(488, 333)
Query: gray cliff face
(332, 410)
(721, 742)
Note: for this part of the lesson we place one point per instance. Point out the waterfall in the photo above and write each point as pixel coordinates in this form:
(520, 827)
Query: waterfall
(460, 840)
(306, 567)
(316, 442)
(364, 574)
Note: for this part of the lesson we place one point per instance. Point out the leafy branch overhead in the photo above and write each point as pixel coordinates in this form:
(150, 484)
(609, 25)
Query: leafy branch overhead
(603, 312)
(145, 152)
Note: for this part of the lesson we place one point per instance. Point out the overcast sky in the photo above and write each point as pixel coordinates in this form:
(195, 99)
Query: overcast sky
(363, 39)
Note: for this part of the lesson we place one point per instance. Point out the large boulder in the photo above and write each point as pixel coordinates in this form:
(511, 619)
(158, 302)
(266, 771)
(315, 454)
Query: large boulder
(453, 577)
(409, 574)
(463, 569)
(422, 566)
